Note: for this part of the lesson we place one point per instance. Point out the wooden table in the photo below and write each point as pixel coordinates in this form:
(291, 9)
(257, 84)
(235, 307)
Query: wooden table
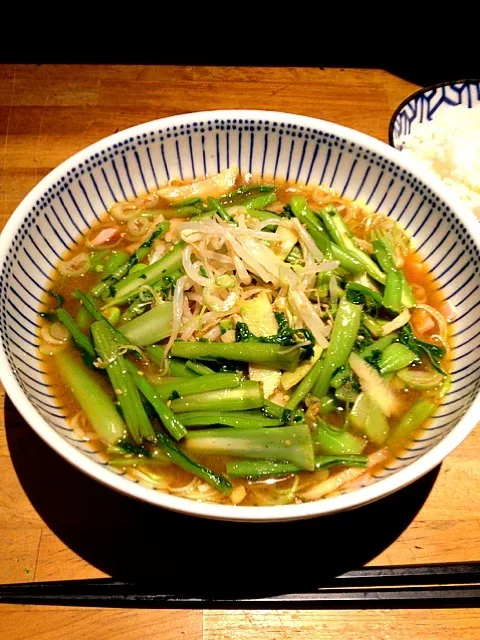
(57, 524)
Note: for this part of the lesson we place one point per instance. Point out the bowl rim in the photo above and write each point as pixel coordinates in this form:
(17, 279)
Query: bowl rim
(356, 498)
(417, 94)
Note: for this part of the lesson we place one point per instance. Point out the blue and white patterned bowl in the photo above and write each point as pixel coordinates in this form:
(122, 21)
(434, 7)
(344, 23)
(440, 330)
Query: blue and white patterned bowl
(271, 144)
(422, 106)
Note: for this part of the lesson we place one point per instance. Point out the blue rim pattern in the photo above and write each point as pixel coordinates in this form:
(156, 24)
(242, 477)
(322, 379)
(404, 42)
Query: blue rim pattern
(268, 147)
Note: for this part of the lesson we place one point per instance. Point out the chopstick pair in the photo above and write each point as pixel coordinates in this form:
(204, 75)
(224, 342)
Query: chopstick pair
(406, 586)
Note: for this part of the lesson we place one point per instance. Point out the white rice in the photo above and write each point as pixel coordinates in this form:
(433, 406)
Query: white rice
(449, 145)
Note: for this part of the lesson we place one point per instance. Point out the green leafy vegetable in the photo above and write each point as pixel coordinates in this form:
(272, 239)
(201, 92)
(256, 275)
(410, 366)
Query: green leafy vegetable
(263, 468)
(295, 256)
(213, 203)
(360, 294)
(364, 339)
(98, 406)
(81, 340)
(108, 282)
(242, 194)
(180, 458)
(128, 448)
(287, 212)
(286, 336)
(354, 296)
(433, 352)
(58, 297)
(374, 358)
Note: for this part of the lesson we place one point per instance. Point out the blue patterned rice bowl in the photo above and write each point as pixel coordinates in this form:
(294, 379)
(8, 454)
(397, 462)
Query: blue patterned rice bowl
(424, 104)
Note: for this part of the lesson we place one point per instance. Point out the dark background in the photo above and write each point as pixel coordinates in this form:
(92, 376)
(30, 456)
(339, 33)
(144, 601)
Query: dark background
(422, 62)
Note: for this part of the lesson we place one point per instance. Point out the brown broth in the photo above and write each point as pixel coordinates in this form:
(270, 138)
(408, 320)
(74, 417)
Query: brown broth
(258, 492)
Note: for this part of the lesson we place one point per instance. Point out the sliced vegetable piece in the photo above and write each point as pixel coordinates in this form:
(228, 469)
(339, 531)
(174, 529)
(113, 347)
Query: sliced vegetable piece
(171, 423)
(290, 444)
(302, 306)
(199, 384)
(333, 442)
(306, 385)
(344, 332)
(375, 327)
(81, 340)
(374, 385)
(368, 419)
(176, 455)
(383, 253)
(214, 204)
(412, 420)
(347, 393)
(94, 401)
(274, 410)
(122, 382)
(392, 297)
(264, 468)
(342, 376)
(156, 354)
(396, 356)
(378, 345)
(420, 380)
(286, 358)
(248, 395)
(214, 186)
(200, 369)
(284, 242)
(259, 201)
(327, 404)
(237, 419)
(122, 269)
(130, 286)
(343, 237)
(343, 480)
(398, 322)
(154, 325)
(290, 379)
(366, 291)
(260, 319)
(178, 368)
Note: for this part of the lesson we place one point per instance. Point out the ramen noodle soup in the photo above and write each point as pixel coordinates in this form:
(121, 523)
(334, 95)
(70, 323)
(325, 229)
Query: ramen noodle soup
(245, 341)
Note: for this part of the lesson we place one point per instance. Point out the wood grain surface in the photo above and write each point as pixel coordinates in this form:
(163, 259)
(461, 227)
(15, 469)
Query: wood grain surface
(57, 524)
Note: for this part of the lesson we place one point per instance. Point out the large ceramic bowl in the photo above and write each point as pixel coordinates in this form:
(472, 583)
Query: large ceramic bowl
(271, 144)
(425, 103)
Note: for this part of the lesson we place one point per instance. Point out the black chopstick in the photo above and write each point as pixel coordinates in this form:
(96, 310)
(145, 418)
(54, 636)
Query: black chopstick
(405, 586)
(415, 574)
